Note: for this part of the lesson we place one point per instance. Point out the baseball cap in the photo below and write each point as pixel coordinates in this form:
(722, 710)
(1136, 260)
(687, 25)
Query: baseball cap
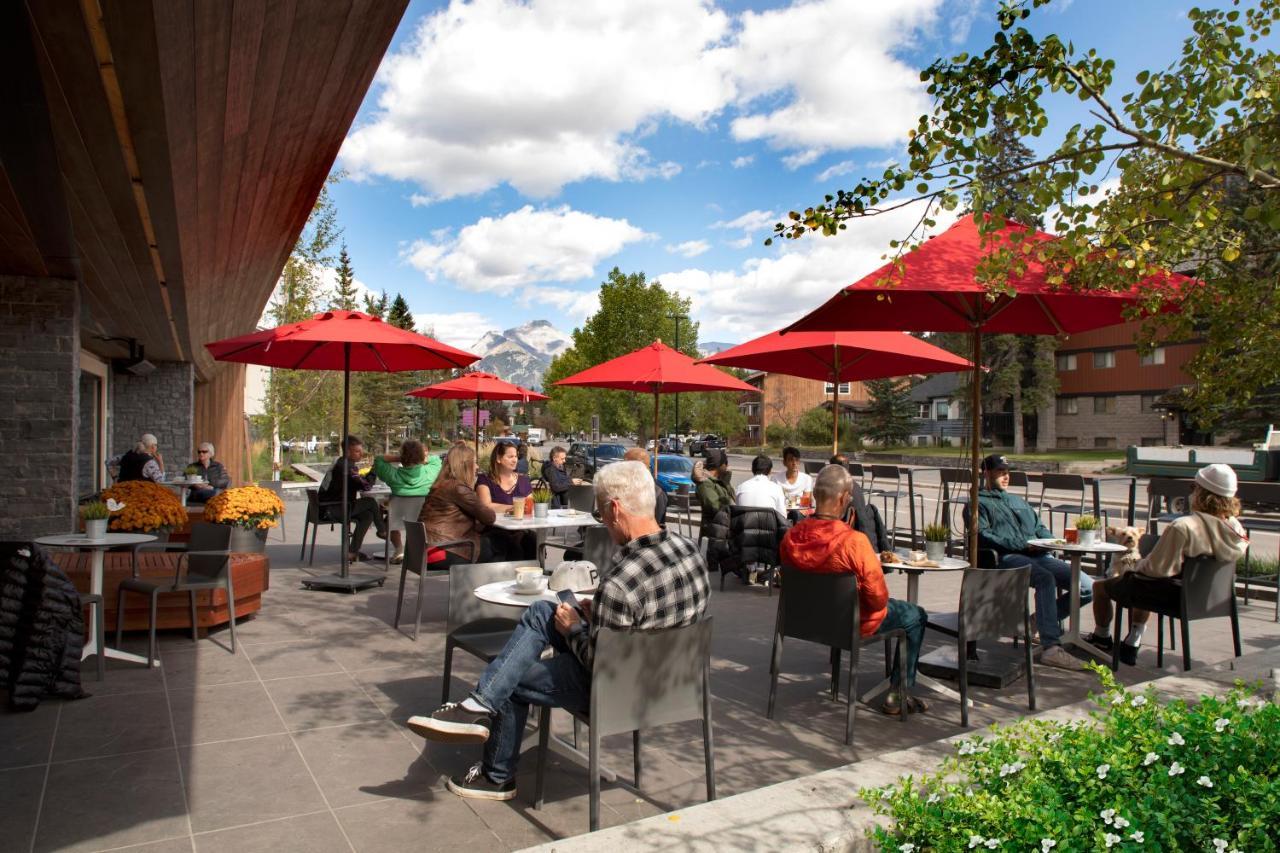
(995, 462)
(1218, 478)
(715, 458)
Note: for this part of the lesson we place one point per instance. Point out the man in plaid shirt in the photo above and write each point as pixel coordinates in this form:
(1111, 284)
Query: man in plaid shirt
(655, 580)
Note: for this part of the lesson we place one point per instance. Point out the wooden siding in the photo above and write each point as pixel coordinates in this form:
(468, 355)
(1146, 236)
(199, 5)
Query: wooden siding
(1128, 376)
(219, 418)
(786, 398)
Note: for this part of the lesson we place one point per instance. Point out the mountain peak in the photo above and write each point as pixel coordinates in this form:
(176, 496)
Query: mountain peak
(521, 354)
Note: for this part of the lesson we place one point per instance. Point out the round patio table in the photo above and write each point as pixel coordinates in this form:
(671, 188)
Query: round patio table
(504, 592)
(97, 547)
(1075, 553)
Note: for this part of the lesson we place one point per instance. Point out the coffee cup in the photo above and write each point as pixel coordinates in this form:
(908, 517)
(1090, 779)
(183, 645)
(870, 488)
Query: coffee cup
(517, 508)
(1071, 535)
(528, 578)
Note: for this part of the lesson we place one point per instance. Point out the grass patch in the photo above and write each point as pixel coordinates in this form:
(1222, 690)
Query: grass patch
(1257, 567)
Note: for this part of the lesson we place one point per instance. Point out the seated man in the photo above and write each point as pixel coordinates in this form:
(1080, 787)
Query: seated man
(365, 512)
(824, 543)
(655, 580)
(1005, 524)
(213, 472)
(760, 490)
(1210, 529)
(639, 454)
(557, 478)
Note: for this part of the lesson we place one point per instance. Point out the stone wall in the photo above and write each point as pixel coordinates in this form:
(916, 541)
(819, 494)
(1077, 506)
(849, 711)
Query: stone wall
(1129, 425)
(39, 387)
(160, 403)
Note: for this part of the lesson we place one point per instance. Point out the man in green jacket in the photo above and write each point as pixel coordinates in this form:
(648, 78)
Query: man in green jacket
(409, 484)
(1005, 523)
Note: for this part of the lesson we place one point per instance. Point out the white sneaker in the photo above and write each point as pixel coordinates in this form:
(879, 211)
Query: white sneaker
(1059, 657)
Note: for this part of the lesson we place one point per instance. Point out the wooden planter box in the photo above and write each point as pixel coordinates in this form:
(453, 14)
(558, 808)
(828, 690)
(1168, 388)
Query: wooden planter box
(249, 575)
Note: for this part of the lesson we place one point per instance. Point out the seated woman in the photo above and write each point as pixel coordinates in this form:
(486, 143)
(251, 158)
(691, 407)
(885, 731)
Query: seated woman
(499, 488)
(713, 487)
(1211, 529)
(794, 481)
(409, 484)
(453, 511)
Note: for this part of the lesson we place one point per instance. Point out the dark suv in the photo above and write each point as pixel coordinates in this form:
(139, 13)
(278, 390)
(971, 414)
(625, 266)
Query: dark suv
(699, 444)
(585, 458)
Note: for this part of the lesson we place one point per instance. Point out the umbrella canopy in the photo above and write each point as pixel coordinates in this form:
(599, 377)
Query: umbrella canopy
(477, 386)
(936, 291)
(656, 369)
(837, 357)
(346, 341)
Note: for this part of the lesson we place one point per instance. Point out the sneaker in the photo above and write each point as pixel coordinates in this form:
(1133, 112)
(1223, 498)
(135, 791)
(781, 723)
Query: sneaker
(452, 723)
(1059, 657)
(474, 785)
(1102, 642)
(397, 559)
(1128, 654)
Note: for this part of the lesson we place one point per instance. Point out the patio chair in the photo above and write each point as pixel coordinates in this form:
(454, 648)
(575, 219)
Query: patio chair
(682, 502)
(277, 487)
(417, 554)
(1019, 480)
(641, 680)
(477, 627)
(1073, 485)
(812, 468)
(1166, 500)
(993, 603)
(824, 609)
(859, 473)
(755, 532)
(207, 560)
(329, 512)
(890, 489)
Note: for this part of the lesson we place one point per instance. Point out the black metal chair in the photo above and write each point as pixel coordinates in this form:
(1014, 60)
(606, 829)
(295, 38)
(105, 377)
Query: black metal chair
(329, 512)
(416, 549)
(682, 501)
(824, 608)
(993, 603)
(1166, 500)
(741, 527)
(641, 680)
(812, 468)
(207, 560)
(477, 627)
(859, 473)
(886, 484)
(1070, 483)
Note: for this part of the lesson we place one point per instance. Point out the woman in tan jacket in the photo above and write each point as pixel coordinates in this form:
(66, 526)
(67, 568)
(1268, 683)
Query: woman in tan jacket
(453, 511)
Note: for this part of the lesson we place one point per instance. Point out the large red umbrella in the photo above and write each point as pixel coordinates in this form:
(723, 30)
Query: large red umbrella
(936, 291)
(346, 341)
(837, 357)
(656, 369)
(477, 386)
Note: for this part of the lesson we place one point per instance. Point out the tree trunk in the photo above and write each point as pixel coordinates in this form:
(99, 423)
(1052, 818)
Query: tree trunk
(1046, 427)
(275, 447)
(1019, 441)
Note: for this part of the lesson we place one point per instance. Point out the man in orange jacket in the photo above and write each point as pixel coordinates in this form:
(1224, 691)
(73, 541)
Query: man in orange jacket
(825, 543)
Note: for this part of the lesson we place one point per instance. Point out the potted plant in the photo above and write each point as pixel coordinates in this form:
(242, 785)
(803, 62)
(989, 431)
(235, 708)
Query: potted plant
(1087, 528)
(145, 507)
(251, 511)
(541, 501)
(935, 541)
(94, 515)
(194, 473)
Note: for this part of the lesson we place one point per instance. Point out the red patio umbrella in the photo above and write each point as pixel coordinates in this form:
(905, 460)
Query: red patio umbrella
(656, 369)
(936, 291)
(346, 341)
(477, 386)
(837, 357)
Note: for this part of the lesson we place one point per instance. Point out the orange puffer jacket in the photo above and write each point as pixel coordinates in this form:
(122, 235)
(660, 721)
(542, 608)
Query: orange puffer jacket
(828, 545)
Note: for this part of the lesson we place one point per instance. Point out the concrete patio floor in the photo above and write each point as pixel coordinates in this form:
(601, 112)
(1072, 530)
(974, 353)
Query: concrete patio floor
(297, 741)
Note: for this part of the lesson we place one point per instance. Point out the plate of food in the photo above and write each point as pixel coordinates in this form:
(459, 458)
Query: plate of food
(889, 558)
(1047, 543)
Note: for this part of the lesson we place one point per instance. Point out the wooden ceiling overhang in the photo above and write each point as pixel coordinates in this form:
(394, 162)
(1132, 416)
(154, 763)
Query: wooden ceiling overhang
(168, 152)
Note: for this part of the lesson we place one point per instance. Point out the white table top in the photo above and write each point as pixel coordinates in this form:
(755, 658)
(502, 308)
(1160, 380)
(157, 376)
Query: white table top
(79, 540)
(555, 518)
(1077, 548)
(503, 592)
(946, 564)
(183, 481)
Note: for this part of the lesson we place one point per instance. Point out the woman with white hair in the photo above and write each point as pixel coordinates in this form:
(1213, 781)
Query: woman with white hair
(213, 472)
(143, 462)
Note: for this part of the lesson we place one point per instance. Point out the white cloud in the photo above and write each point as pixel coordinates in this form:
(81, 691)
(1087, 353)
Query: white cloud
(766, 292)
(752, 220)
(523, 247)
(844, 167)
(689, 248)
(801, 158)
(569, 304)
(740, 243)
(742, 162)
(459, 329)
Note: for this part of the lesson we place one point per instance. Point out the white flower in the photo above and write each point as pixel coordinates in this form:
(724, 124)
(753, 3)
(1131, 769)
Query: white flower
(993, 843)
(1176, 769)
(933, 798)
(972, 747)
(1047, 844)
(1102, 770)
(1220, 844)
(1121, 823)
(907, 848)
(1010, 769)
(1175, 739)
(1111, 839)
(1118, 699)
(114, 505)
(1107, 815)
(1151, 758)
(1054, 738)
(1139, 701)
(975, 840)
(1205, 782)
(1220, 724)
(1137, 835)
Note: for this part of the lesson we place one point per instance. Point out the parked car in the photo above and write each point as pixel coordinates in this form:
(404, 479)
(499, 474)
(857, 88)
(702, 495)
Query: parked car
(585, 458)
(702, 443)
(674, 471)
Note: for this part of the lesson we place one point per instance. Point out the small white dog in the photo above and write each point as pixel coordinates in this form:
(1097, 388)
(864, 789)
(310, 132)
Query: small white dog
(1128, 537)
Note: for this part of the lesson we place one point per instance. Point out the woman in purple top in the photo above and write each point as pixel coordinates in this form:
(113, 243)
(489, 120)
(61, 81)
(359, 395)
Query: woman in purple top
(499, 488)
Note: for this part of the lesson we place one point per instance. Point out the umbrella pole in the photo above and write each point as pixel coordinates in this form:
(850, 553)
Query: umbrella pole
(655, 434)
(476, 423)
(346, 461)
(835, 403)
(975, 442)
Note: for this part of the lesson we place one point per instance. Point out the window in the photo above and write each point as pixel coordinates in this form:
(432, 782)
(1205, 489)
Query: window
(1104, 359)
(1156, 356)
(1099, 441)
(1066, 442)
(1066, 362)
(1149, 402)
(942, 411)
(1104, 405)
(829, 388)
(1068, 405)
(922, 410)
(1152, 442)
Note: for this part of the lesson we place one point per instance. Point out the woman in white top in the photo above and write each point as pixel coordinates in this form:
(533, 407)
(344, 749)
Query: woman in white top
(794, 481)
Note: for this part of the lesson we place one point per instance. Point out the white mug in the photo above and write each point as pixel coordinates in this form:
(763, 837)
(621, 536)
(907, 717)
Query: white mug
(528, 577)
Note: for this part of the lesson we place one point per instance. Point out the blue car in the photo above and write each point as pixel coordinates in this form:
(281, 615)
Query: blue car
(674, 472)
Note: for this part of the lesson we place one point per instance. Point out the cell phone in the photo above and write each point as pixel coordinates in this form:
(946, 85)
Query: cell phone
(567, 596)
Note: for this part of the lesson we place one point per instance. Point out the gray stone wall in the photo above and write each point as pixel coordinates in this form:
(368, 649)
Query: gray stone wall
(162, 404)
(1129, 425)
(39, 387)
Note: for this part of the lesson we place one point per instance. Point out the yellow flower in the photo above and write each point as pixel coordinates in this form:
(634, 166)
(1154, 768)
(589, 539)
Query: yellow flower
(247, 506)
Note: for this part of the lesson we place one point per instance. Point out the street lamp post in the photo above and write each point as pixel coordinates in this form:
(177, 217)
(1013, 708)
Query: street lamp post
(677, 318)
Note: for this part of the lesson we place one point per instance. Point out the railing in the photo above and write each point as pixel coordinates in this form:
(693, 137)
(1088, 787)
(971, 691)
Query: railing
(954, 428)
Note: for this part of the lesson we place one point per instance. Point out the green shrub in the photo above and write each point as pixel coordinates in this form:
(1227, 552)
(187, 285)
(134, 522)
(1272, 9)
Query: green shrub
(779, 434)
(814, 427)
(1137, 775)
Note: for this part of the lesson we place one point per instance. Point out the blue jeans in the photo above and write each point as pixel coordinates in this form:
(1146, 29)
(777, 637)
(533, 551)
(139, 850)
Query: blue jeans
(911, 618)
(518, 678)
(1048, 575)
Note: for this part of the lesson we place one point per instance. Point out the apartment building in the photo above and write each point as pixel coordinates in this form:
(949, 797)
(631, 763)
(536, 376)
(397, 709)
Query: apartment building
(786, 398)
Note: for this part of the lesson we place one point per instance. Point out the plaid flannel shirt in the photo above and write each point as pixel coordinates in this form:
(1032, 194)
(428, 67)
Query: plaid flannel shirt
(655, 581)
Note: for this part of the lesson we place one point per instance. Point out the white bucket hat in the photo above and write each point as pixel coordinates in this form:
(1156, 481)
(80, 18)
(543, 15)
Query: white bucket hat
(1218, 478)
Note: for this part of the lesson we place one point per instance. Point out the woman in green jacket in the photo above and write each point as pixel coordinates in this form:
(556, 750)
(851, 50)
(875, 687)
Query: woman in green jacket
(713, 488)
(409, 484)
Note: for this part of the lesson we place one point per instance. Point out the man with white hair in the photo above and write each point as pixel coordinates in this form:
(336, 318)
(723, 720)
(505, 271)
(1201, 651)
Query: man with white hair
(143, 462)
(213, 472)
(655, 580)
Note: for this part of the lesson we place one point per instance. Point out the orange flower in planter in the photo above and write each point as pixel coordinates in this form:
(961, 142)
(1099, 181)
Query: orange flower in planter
(248, 507)
(148, 507)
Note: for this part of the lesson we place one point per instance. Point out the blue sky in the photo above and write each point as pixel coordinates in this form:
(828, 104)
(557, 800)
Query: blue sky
(510, 153)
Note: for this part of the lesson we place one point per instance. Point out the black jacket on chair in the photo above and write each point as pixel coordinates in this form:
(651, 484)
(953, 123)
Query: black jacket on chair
(755, 534)
(866, 520)
(41, 628)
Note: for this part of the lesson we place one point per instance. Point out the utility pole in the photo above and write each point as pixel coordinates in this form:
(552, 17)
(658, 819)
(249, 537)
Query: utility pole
(677, 318)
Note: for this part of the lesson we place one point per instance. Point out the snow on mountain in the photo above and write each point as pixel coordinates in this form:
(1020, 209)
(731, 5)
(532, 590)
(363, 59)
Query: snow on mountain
(521, 355)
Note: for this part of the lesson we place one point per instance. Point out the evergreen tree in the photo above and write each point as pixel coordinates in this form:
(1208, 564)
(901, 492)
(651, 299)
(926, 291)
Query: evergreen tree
(378, 397)
(890, 418)
(344, 292)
